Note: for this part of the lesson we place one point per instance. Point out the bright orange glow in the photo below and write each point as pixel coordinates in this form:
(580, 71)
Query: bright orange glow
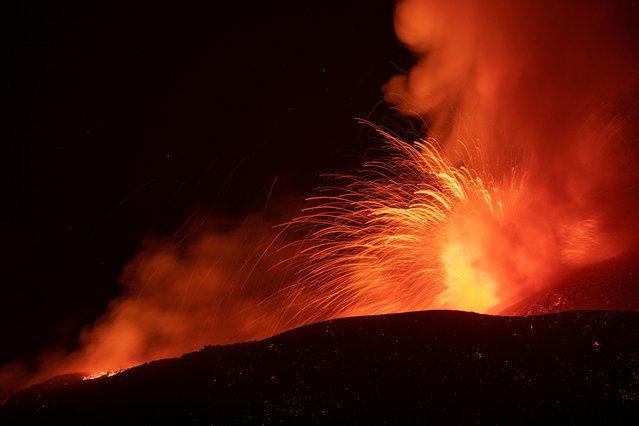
(413, 232)
(467, 286)
(388, 242)
(99, 374)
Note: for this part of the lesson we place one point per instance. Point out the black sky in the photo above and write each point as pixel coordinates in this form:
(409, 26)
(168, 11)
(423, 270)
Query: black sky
(125, 116)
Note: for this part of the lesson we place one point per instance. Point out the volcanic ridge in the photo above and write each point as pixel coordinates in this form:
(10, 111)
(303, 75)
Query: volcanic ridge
(431, 366)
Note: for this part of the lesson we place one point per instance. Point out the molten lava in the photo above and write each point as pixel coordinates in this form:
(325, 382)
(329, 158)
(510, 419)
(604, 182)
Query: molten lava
(98, 374)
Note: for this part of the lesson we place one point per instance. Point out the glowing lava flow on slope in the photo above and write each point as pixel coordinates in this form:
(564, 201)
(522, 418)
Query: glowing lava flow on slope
(98, 374)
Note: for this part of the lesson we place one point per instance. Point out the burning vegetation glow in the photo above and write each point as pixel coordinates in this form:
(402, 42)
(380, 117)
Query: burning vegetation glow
(526, 171)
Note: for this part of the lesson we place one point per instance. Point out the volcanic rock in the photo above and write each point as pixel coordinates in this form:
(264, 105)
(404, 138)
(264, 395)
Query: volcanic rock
(422, 367)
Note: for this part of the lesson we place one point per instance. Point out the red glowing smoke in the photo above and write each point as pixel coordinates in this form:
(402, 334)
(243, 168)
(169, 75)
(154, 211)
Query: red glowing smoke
(547, 91)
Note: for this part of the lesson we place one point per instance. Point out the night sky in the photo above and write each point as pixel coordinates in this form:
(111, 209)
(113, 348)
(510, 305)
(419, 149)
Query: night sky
(126, 117)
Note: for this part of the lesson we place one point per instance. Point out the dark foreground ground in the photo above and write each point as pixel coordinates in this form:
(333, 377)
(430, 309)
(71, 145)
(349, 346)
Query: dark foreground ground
(423, 367)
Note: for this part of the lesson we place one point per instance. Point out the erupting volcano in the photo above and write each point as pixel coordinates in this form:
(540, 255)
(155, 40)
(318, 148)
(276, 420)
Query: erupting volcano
(522, 175)
(528, 172)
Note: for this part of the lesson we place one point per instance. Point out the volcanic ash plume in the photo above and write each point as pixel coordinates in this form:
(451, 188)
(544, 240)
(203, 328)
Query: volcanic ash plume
(539, 98)
(208, 284)
(529, 172)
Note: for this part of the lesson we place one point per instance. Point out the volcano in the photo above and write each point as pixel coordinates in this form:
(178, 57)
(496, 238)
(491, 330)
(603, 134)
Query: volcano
(432, 366)
(500, 178)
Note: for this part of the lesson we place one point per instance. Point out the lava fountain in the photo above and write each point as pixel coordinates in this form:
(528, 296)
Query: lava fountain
(412, 231)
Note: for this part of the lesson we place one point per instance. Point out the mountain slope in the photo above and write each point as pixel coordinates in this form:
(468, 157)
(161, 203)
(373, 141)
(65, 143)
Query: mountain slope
(424, 367)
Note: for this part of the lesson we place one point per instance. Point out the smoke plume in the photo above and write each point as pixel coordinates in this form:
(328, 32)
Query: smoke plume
(542, 90)
(210, 283)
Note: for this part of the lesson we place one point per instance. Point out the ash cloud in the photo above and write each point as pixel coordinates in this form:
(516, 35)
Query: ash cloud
(211, 283)
(208, 287)
(546, 89)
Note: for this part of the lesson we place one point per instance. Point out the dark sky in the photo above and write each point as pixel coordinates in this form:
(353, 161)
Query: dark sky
(125, 116)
